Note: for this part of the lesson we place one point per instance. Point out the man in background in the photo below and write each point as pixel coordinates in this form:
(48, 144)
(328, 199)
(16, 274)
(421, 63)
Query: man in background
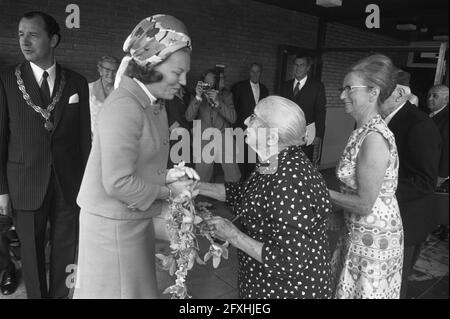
(437, 103)
(246, 94)
(418, 145)
(309, 94)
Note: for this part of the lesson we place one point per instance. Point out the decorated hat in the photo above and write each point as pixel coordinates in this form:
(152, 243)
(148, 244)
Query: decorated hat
(152, 41)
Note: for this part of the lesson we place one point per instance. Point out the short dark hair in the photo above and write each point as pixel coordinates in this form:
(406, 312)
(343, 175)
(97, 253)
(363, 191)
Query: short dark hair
(145, 74)
(50, 24)
(257, 64)
(205, 73)
(306, 56)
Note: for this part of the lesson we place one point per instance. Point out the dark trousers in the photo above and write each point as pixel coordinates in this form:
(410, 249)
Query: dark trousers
(5, 258)
(31, 228)
(410, 255)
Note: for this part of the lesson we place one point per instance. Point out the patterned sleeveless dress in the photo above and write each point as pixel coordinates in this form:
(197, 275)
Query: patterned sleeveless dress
(368, 260)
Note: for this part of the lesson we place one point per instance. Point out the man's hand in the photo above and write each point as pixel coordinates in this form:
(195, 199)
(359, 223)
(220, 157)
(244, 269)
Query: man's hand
(199, 90)
(317, 142)
(5, 206)
(213, 96)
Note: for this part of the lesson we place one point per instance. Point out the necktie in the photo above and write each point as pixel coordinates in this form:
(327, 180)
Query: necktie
(45, 90)
(297, 88)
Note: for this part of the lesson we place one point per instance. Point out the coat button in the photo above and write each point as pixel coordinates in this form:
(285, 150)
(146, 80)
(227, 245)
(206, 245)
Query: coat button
(166, 141)
(156, 112)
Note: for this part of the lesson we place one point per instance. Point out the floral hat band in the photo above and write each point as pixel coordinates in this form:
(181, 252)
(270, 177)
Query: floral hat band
(153, 40)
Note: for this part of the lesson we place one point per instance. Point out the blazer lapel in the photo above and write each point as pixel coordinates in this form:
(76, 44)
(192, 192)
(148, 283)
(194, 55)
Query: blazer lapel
(250, 92)
(60, 106)
(31, 86)
(306, 85)
(290, 89)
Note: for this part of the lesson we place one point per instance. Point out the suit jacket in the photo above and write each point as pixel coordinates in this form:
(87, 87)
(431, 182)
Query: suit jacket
(418, 145)
(244, 101)
(28, 152)
(220, 117)
(312, 101)
(441, 120)
(127, 165)
(176, 109)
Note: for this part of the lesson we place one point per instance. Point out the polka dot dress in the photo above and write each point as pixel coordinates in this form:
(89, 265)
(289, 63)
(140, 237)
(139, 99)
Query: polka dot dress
(285, 206)
(368, 260)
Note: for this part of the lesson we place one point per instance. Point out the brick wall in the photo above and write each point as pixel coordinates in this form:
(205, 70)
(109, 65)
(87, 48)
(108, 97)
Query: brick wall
(336, 64)
(229, 32)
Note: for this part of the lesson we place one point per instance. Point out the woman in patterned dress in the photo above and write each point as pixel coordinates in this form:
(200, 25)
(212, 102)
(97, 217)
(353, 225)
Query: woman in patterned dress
(367, 262)
(283, 207)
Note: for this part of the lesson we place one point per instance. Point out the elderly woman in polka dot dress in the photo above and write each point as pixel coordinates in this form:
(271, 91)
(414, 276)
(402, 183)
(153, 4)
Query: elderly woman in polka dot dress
(283, 207)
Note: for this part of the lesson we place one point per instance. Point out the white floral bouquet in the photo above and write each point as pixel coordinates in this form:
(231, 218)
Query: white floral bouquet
(185, 223)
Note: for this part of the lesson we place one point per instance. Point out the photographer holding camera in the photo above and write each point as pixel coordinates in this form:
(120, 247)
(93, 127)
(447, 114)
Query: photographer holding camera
(213, 106)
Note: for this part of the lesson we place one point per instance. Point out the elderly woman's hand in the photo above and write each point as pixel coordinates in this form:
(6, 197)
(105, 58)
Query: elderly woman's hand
(223, 229)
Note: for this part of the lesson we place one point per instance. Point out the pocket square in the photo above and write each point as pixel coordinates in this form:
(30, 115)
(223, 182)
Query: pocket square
(74, 99)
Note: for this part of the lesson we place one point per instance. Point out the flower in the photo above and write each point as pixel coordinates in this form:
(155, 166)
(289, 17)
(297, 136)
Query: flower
(184, 224)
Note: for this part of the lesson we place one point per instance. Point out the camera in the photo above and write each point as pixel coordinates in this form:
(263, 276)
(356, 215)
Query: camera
(205, 86)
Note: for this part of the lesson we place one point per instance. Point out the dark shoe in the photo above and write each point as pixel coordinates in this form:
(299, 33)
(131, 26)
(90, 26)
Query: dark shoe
(8, 284)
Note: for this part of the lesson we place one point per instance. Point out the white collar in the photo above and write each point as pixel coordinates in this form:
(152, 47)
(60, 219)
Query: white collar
(253, 84)
(436, 112)
(147, 92)
(392, 114)
(38, 71)
(302, 81)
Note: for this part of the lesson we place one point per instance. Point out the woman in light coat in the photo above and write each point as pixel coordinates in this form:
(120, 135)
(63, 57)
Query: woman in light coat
(126, 182)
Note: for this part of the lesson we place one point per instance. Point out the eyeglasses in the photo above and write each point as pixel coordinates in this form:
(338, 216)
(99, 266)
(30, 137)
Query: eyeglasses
(108, 70)
(350, 88)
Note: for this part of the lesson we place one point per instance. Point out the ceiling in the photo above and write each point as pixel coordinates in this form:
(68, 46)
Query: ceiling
(430, 16)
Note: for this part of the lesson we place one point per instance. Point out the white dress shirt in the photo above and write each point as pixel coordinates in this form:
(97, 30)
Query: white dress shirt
(302, 83)
(37, 72)
(256, 91)
(390, 116)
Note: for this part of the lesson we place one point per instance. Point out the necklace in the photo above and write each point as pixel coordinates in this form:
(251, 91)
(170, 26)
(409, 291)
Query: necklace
(45, 113)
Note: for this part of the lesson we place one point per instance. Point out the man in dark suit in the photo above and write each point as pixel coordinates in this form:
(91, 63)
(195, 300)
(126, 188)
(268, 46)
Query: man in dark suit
(45, 141)
(437, 103)
(246, 94)
(176, 119)
(309, 94)
(418, 145)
